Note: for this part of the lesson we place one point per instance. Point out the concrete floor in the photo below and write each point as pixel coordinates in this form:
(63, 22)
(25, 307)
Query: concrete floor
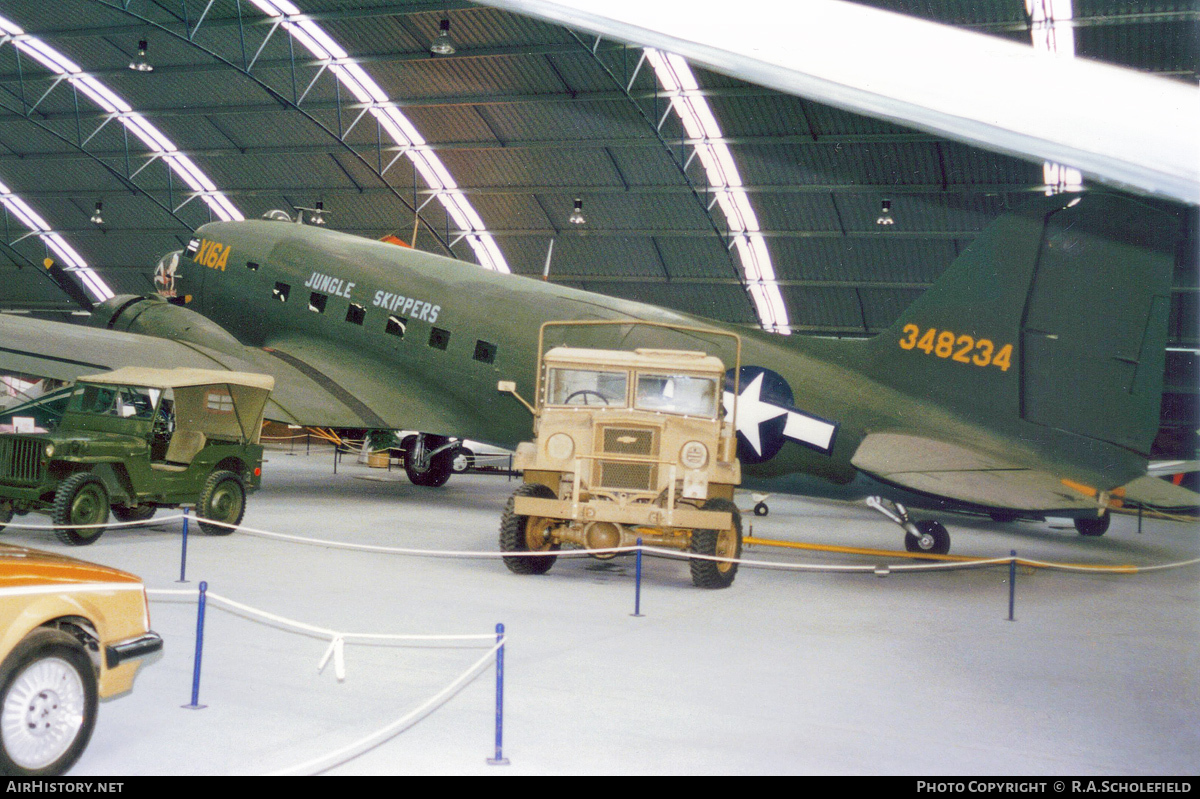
(785, 672)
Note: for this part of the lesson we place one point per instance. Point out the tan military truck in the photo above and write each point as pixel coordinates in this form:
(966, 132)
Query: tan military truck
(628, 445)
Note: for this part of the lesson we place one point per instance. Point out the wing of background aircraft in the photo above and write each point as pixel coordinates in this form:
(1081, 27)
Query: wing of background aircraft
(313, 385)
(1123, 127)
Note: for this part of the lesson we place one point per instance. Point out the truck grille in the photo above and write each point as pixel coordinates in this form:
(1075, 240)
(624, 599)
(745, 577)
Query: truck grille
(620, 473)
(21, 460)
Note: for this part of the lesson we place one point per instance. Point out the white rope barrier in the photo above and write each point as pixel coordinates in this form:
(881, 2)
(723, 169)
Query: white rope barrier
(353, 750)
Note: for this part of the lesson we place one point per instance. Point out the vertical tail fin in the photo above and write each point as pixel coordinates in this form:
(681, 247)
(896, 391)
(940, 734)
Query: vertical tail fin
(1055, 315)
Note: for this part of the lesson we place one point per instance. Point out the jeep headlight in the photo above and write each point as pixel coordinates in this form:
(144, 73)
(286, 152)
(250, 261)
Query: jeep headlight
(49, 450)
(560, 447)
(694, 455)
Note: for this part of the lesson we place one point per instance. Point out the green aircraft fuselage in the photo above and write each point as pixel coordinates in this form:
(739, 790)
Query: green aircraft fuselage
(982, 361)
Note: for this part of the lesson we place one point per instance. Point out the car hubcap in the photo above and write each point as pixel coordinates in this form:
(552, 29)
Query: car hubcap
(42, 713)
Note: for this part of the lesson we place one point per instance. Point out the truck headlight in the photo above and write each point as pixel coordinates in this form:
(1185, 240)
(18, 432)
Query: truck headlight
(49, 450)
(560, 447)
(694, 455)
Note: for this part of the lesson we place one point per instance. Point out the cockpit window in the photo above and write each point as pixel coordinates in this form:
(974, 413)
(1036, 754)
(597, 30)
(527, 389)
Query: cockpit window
(686, 395)
(587, 387)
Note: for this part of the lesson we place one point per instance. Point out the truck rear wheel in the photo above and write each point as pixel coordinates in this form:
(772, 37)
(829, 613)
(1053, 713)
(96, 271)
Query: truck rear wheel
(527, 533)
(81, 500)
(222, 500)
(717, 543)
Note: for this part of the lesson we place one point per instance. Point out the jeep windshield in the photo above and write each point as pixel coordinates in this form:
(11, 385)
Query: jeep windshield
(122, 402)
(684, 395)
(587, 387)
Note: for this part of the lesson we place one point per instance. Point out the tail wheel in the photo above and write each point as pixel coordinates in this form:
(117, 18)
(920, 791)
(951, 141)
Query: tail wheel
(48, 703)
(1094, 527)
(725, 543)
(934, 539)
(527, 533)
(81, 500)
(222, 500)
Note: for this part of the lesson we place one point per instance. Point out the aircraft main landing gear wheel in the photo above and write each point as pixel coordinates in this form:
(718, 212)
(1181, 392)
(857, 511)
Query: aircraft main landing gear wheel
(725, 543)
(48, 703)
(934, 539)
(527, 533)
(1094, 527)
(80, 500)
(427, 472)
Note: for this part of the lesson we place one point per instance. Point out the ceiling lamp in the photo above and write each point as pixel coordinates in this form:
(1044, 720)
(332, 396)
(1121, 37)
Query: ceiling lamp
(576, 217)
(885, 214)
(140, 64)
(316, 215)
(442, 45)
(97, 219)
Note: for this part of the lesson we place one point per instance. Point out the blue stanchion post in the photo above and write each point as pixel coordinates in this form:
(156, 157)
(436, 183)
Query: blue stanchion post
(499, 759)
(1012, 583)
(195, 705)
(637, 581)
(183, 553)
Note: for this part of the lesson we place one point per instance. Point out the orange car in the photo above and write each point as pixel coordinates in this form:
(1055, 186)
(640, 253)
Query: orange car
(71, 633)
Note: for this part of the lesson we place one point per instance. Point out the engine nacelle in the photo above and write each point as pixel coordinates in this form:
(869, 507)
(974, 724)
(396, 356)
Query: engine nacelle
(152, 315)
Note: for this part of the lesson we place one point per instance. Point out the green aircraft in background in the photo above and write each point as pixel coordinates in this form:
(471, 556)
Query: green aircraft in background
(1026, 380)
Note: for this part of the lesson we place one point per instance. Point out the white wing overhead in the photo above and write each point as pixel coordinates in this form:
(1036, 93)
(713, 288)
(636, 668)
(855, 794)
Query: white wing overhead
(1116, 125)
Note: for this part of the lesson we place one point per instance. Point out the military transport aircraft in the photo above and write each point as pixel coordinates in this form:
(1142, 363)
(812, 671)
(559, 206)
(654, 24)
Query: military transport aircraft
(1027, 379)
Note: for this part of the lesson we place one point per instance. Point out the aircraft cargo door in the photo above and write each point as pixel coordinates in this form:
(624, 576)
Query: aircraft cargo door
(1094, 328)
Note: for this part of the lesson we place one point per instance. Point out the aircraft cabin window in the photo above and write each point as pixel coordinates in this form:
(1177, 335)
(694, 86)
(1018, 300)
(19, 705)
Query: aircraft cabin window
(316, 302)
(280, 292)
(252, 266)
(356, 313)
(439, 338)
(485, 352)
(396, 326)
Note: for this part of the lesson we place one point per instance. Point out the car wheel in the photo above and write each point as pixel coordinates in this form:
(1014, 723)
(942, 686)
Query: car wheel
(139, 514)
(81, 500)
(464, 460)
(527, 533)
(222, 500)
(47, 704)
(725, 543)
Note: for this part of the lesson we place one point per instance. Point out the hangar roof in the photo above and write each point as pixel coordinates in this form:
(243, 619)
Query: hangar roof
(522, 120)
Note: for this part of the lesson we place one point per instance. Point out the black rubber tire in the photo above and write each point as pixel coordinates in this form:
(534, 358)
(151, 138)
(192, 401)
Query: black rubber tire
(441, 466)
(222, 500)
(761, 509)
(80, 499)
(940, 535)
(6, 514)
(44, 648)
(463, 460)
(716, 543)
(1094, 527)
(139, 514)
(514, 529)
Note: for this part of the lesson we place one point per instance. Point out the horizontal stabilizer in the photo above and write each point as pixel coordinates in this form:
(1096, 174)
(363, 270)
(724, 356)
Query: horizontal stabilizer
(1155, 492)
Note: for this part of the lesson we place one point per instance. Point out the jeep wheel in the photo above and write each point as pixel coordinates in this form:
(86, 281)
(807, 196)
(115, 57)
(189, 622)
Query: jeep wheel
(6, 514)
(80, 501)
(125, 513)
(717, 543)
(222, 500)
(47, 704)
(527, 533)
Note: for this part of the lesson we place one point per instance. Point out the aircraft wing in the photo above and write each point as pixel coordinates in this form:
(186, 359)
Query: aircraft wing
(1155, 492)
(949, 470)
(1123, 127)
(66, 352)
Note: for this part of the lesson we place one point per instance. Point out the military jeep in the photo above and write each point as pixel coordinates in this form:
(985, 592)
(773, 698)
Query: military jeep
(628, 445)
(135, 440)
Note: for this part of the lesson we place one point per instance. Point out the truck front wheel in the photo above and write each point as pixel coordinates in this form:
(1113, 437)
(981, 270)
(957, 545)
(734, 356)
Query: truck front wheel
(80, 501)
(718, 544)
(527, 534)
